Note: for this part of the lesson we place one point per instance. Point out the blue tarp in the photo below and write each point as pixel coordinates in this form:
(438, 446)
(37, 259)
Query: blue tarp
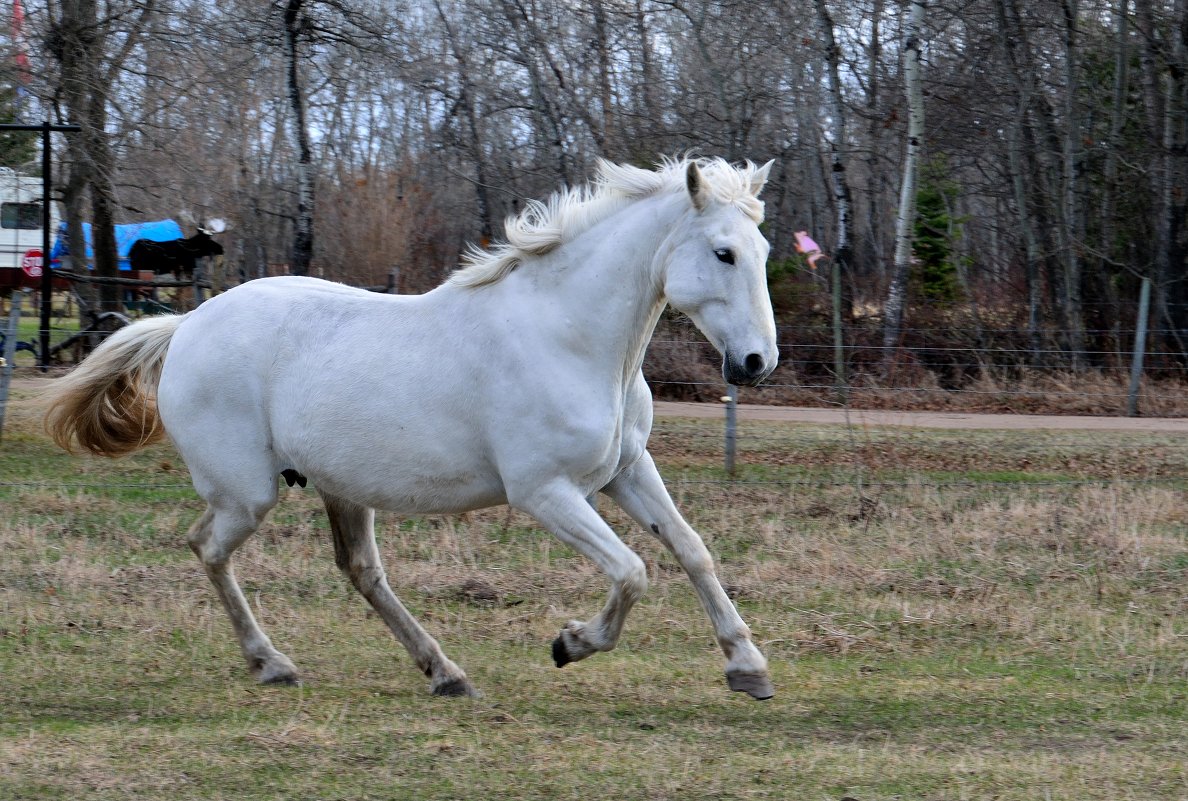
(158, 231)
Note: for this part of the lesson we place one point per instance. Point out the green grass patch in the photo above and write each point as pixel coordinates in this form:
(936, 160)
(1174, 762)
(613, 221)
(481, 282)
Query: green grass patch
(972, 615)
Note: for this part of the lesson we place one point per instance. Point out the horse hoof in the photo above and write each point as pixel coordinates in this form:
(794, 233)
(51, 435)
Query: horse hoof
(560, 653)
(455, 687)
(756, 685)
(276, 670)
(282, 680)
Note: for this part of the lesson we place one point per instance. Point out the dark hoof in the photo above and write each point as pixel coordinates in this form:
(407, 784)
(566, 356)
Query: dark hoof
(560, 654)
(282, 680)
(452, 688)
(756, 685)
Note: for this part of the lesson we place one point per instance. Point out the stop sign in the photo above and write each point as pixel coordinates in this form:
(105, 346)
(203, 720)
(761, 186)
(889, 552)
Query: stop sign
(31, 262)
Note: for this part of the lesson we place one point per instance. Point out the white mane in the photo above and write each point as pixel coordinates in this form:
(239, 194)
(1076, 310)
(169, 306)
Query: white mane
(544, 226)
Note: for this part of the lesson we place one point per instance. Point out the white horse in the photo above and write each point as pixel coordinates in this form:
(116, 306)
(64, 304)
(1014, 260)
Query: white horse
(516, 382)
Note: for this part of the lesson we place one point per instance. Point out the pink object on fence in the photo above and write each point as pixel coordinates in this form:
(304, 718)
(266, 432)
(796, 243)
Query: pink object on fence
(806, 245)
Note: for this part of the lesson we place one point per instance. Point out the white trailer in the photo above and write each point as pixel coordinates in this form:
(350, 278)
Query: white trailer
(20, 228)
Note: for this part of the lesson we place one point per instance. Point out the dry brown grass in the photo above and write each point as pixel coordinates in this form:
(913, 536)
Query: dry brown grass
(948, 615)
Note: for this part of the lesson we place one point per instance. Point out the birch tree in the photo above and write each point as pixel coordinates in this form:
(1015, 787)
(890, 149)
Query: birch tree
(905, 220)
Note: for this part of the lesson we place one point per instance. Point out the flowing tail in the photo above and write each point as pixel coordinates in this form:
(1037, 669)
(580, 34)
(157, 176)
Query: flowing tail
(108, 404)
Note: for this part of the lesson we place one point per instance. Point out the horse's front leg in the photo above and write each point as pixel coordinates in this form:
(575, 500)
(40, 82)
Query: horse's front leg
(642, 494)
(563, 509)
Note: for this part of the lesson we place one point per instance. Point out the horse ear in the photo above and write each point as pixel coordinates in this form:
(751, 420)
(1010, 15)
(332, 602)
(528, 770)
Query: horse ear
(695, 183)
(759, 178)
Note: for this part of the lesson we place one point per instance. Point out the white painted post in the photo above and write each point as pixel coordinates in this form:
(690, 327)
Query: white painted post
(10, 342)
(731, 401)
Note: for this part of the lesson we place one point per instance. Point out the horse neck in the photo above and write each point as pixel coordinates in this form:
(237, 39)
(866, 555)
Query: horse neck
(606, 285)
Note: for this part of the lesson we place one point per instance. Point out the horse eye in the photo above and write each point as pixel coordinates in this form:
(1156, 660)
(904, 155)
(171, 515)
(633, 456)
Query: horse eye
(725, 255)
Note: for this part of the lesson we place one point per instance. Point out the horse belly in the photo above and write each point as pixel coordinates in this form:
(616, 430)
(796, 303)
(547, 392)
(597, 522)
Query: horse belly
(407, 489)
(383, 449)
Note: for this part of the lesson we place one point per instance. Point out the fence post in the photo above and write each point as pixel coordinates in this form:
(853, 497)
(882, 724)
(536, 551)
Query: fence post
(731, 401)
(839, 348)
(199, 290)
(10, 343)
(394, 281)
(1140, 348)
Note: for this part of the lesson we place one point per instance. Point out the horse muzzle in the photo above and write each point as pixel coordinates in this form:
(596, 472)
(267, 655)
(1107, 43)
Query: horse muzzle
(750, 371)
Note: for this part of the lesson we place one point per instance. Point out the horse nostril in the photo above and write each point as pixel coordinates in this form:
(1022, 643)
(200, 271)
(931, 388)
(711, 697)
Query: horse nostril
(754, 363)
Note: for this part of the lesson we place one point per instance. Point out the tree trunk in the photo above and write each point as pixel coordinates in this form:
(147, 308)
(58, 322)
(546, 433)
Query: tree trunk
(295, 22)
(530, 45)
(875, 175)
(1031, 247)
(1164, 103)
(1170, 294)
(79, 44)
(605, 136)
(1070, 239)
(904, 221)
(644, 108)
(1108, 317)
(843, 251)
(101, 175)
(70, 52)
(466, 93)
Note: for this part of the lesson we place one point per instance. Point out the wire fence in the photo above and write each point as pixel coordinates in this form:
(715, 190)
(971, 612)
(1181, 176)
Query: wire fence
(1005, 369)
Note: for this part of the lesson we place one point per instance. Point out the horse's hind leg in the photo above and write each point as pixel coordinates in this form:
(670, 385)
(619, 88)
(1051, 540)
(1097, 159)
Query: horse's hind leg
(214, 538)
(357, 556)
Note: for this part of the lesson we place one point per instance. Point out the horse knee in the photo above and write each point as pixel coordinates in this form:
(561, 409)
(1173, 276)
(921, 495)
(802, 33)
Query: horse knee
(634, 584)
(700, 564)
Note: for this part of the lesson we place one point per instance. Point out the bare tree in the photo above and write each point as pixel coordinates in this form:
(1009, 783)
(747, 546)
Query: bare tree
(296, 26)
(838, 142)
(82, 44)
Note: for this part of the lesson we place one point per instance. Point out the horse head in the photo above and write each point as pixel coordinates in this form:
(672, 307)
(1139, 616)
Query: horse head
(715, 267)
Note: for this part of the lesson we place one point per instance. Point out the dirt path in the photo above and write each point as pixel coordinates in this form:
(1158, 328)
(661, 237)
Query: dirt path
(928, 419)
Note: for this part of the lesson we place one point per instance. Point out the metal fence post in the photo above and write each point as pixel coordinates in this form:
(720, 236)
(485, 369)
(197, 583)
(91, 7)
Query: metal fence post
(10, 343)
(1140, 348)
(199, 290)
(731, 401)
(839, 346)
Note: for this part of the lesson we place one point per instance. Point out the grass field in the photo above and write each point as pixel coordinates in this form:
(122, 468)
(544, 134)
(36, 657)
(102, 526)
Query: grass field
(948, 615)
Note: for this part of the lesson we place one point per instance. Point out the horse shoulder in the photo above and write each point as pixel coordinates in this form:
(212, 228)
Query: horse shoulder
(637, 421)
